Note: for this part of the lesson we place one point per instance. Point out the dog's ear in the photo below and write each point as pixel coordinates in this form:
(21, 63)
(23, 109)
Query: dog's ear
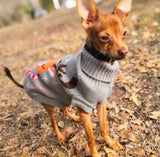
(122, 9)
(88, 11)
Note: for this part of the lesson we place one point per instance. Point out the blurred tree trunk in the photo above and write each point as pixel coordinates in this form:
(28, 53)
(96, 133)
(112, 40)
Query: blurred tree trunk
(56, 4)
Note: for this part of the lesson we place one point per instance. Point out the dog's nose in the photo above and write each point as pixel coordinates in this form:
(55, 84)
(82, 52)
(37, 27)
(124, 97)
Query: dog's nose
(122, 52)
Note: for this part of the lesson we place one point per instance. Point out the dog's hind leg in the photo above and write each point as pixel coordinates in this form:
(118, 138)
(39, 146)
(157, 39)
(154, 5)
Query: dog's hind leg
(60, 135)
(102, 116)
(73, 116)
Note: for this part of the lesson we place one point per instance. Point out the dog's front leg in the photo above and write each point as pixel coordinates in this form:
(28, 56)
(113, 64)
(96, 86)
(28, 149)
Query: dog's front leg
(87, 124)
(102, 116)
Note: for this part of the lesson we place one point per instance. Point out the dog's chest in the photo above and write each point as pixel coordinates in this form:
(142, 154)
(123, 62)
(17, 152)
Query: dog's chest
(81, 78)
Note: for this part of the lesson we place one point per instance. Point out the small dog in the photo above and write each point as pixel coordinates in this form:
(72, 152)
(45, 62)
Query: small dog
(84, 80)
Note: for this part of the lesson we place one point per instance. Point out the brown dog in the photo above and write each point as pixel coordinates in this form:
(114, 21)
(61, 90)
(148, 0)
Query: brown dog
(105, 44)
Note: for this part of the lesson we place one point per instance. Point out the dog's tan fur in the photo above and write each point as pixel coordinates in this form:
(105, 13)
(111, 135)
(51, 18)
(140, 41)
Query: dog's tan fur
(106, 34)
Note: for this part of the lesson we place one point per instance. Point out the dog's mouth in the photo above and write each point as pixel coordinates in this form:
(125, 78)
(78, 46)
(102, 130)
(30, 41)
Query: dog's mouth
(119, 55)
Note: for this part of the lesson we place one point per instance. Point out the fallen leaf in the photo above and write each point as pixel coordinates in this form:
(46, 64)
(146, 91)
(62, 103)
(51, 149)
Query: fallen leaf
(61, 124)
(122, 126)
(142, 69)
(151, 64)
(148, 123)
(137, 121)
(138, 50)
(100, 139)
(131, 137)
(79, 153)
(131, 146)
(60, 153)
(74, 138)
(65, 150)
(110, 152)
(155, 23)
(155, 115)
(136, 101)
(146, 35)
(94, 125)
(138, 151)
(153, 155)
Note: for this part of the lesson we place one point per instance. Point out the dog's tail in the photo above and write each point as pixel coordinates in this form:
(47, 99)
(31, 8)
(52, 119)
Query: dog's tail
(8, 73)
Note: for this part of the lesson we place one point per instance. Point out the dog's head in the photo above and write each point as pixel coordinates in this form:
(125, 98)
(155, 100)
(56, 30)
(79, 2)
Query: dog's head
(105, 32)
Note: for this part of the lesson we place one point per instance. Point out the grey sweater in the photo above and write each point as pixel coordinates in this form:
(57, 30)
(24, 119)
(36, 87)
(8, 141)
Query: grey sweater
(80, 80)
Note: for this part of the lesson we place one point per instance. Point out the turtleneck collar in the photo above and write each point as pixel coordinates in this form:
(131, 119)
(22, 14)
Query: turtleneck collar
(97, 69)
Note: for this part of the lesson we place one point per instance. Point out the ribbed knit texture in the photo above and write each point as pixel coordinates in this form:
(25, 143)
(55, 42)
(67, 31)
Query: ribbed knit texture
(97, 69)
(81, 80)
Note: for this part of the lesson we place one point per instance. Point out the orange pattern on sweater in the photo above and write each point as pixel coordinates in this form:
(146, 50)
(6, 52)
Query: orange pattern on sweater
(44, 66)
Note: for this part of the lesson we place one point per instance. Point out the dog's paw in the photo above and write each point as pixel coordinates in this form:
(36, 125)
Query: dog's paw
(77, 118)
(116, 145)
(112, 143)
(62, 136)
(96, 155)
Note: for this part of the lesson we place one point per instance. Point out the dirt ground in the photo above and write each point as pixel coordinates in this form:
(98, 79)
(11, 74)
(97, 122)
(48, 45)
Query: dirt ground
(133, 108)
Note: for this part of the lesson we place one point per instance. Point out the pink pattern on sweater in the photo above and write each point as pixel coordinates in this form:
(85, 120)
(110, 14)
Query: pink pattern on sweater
(34, 76)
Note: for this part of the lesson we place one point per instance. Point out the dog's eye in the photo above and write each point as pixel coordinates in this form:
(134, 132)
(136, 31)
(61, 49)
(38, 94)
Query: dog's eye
(124, 33)
(104, 38)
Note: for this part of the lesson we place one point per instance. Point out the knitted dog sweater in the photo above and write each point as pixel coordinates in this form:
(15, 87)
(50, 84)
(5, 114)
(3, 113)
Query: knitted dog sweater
(80, 80)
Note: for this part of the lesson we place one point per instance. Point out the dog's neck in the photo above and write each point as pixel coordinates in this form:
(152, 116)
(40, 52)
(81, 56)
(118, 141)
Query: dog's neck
(96, 69)
(98, 55)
